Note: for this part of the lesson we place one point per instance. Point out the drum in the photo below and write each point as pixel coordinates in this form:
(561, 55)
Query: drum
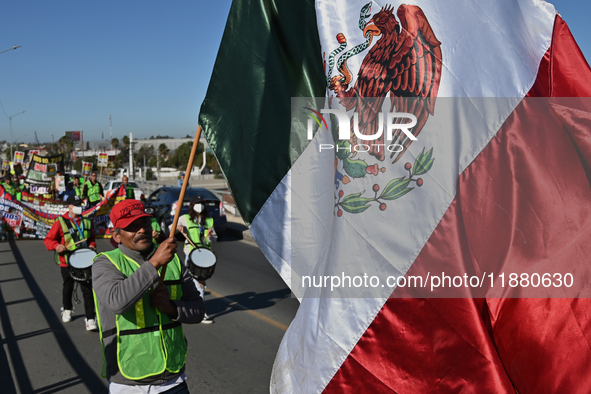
(80, 262)
(202, 263)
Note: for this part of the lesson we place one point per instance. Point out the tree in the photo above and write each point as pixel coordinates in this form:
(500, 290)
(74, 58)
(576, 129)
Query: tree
(163, 151)
(65, 146)
(115, 143)
(181, 155)
(147, 152)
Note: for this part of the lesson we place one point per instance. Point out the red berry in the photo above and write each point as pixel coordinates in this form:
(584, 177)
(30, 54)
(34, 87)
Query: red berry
(341, 193)
(383, 207)
(340, 213)
(376, 187)
(408, 166)
(420, 182)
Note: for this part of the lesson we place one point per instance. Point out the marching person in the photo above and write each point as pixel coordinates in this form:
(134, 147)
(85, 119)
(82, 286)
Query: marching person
(182, 179)
(198, 226)
(9, 185)
(68, 192)
(140, 320)
(78, 188)
(69, 229)
(129, 194)
(93, 190)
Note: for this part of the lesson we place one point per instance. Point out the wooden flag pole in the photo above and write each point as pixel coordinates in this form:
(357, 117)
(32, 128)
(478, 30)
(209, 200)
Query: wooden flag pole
(179, 205)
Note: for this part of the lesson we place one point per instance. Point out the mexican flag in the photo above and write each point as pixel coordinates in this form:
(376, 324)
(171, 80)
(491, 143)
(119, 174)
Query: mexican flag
(445, 255)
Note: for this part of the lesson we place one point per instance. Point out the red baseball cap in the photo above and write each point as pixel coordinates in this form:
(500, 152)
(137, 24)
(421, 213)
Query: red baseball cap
(126, 212)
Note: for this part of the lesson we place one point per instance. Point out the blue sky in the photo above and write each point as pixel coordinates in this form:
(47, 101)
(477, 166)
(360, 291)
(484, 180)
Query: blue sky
(147, 63)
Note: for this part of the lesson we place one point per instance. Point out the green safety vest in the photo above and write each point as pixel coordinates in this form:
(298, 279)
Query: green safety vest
(78, 190)
(197, 231)
(129, 192)
(10, 189)
(72, 235)
(155, 225)
(148, 342)
(19, 191)
(94, 192)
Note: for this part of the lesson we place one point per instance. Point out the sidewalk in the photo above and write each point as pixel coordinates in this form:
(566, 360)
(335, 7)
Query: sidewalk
(237, 228)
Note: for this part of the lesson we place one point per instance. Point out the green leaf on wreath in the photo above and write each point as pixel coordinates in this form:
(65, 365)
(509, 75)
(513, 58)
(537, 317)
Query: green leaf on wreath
(423, 163)
(394, 187)
(398, 194)
(352, 209)
(354, 203)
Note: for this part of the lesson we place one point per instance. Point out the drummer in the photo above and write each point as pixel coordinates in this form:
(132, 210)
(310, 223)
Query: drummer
(66, 232)
(201, 232)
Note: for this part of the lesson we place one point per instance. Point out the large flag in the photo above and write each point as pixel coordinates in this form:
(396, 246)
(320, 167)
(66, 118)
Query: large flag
(483, 200)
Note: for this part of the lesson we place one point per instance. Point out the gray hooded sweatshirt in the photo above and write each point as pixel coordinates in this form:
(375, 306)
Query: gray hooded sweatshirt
(116, 294)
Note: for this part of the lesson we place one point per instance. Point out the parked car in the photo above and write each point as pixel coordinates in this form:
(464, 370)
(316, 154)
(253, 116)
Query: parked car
(164, 201)
(113, 185)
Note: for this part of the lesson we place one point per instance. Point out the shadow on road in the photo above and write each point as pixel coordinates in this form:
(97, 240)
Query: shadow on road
(249, 300)
(85, 374)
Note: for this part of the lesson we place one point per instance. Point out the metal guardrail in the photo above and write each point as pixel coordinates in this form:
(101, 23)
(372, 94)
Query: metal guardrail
(149, 186)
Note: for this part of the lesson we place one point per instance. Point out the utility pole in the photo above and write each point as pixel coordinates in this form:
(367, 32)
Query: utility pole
(111, 130)
(10, 127)
(131, 172)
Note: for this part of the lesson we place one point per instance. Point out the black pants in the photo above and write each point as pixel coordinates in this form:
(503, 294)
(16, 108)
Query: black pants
(68, 290)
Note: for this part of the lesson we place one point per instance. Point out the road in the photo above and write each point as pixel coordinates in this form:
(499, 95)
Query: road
(250, 304)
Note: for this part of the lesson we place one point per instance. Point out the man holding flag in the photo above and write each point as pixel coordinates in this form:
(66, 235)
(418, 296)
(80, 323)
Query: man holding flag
(140, 320)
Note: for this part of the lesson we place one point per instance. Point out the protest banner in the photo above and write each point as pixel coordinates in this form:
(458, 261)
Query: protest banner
(31, 153)
(5, 165)
(43, 168)
(60, 184)
(86, 168)
(17, 168)
(33, 217)
(102, 160)
(19, 156)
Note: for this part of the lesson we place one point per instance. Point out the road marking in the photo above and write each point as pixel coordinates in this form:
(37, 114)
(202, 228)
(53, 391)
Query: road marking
(258, 315)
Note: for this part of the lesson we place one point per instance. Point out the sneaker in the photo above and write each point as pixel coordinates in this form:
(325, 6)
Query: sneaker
(67, 316)
(206, 320)
(90, 324)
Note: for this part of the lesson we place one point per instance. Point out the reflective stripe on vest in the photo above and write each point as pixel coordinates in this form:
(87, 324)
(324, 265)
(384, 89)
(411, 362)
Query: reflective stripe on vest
(148, 342)
(71, 235)
(94, 192)
(197, 231)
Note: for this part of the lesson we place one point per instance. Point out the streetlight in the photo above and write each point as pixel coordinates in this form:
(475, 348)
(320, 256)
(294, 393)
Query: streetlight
(10, 126)
(10, 49)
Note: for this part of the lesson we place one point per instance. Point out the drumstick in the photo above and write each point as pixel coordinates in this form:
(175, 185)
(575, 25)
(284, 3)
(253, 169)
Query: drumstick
(75, 243)
(191, 242)
(179, 206)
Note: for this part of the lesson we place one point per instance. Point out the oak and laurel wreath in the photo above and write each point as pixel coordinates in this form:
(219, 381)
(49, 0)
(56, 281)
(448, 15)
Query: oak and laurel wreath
(396, 188)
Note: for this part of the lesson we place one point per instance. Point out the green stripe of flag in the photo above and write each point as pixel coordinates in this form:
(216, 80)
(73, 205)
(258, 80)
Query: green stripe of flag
(270, 52)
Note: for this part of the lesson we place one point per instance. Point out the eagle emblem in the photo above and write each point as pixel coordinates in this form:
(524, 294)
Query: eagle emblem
(404, 65)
